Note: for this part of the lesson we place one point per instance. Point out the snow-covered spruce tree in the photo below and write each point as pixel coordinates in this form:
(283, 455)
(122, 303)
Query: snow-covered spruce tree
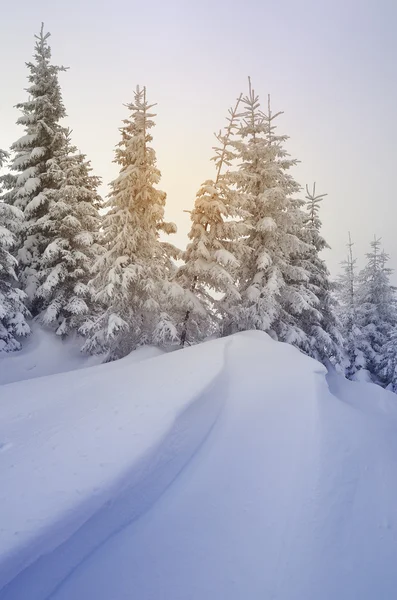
(324, 333)
(70, 228)
(216, 247)
(132, 276)
(13, 311)
(376, 309)
(32, 180)
(346, 295)
(388, 362)
(273, 286)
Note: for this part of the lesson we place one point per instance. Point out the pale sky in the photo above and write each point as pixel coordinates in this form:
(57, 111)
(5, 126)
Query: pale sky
(330, 66)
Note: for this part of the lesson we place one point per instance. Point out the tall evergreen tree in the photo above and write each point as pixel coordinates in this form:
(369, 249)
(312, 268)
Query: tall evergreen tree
(132, 276)
(71, 229)
(273, 285)
(346, 293)
(13, 311)
(216, 248)
(324, 332)
(29, 188)
(376, 309)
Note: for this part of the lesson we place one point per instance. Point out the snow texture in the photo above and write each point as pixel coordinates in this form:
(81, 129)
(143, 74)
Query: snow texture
(233, 469)
(44, 354)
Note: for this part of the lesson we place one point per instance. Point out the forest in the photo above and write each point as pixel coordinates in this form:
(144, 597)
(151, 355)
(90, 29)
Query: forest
(107, 270)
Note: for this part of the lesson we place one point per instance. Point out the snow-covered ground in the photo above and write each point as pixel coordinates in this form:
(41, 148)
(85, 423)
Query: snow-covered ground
(43, 353)
(236, 469)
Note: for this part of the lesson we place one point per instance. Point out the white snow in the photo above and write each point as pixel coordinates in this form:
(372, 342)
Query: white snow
(234, 469)
(43, 353)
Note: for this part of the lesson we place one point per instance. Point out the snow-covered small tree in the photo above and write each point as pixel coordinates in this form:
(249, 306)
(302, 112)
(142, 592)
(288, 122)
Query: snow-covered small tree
(216, 249)
(71, 227)
(273, 285)
(346, 294)
(132, 277)
(376, 309)
(29, 187)
(13, 311)
(324, 332)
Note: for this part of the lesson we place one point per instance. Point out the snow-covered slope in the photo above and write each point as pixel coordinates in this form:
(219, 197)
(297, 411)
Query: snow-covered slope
(43, 353)
(235, 469)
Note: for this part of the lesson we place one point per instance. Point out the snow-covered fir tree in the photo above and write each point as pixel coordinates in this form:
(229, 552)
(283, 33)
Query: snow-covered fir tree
(216, 248)
(273, 285)
(132, 278)
(346, 294)
(387, 370)
(324, 332)
(13, 311)
(29, 187)
(70, 227)
(376, 310)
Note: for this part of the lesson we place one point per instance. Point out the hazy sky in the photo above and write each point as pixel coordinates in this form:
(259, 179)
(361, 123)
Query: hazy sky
(330, 66)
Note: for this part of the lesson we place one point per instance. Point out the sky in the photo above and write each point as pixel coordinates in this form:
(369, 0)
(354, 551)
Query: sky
(330, 66)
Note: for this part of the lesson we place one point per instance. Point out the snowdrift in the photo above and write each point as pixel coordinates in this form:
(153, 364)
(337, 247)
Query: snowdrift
(107, 439)
(43, 354)
(235, 469)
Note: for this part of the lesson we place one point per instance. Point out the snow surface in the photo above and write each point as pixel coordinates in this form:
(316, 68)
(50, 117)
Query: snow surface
(43, 353)
(236, 469)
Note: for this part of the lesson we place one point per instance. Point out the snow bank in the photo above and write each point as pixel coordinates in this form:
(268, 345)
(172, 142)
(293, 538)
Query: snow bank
(258, 476)
(43, 353)
(83, 453)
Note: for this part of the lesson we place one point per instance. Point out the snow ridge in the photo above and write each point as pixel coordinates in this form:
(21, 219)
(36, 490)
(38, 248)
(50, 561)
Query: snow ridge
(51, 555)
(282, 480)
